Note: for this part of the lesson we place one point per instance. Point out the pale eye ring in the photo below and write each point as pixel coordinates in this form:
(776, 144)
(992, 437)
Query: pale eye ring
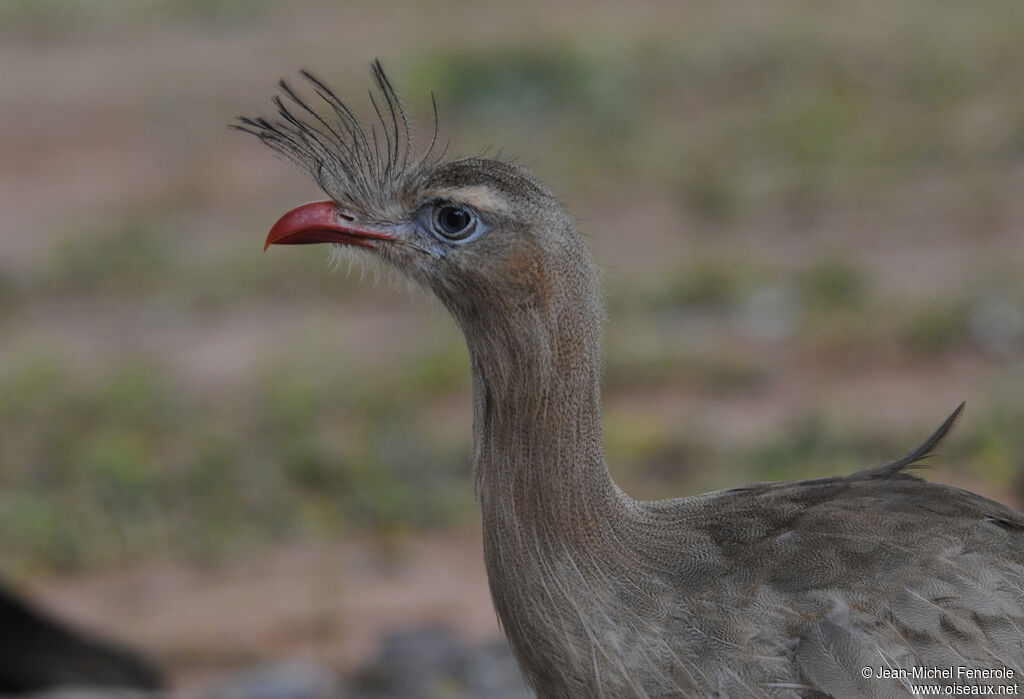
(453, 222)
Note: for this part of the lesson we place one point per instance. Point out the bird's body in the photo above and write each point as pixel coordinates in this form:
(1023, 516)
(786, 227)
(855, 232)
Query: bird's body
(775, 590)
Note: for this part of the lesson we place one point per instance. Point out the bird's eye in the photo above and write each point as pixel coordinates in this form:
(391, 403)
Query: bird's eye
(454, 222)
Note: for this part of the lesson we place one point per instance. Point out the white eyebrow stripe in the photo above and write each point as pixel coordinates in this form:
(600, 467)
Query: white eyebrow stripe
(478, 196)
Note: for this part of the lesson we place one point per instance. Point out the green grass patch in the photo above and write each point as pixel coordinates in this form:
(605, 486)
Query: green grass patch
(119, 466)
(833, 284)
(708, 282)
(537, 82)
(130, 255)
(935, 328)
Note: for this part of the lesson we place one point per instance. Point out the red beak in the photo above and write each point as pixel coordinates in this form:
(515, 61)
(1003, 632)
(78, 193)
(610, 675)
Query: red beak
(320, 222)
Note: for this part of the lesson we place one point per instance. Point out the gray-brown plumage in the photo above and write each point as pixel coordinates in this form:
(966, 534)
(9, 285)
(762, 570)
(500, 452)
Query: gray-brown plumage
(772, 590)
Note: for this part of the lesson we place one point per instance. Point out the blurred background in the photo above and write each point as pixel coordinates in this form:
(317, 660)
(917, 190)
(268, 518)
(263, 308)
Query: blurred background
(810, 218)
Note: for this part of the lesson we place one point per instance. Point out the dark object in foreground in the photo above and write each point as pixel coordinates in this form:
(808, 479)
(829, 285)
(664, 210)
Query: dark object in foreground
(827, 587)
(37, 652)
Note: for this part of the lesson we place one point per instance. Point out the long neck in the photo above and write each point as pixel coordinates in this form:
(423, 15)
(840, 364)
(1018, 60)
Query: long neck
(554, 521)
(538, 454)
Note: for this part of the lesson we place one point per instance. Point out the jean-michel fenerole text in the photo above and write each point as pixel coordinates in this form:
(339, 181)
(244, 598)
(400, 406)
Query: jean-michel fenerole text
(960, 672)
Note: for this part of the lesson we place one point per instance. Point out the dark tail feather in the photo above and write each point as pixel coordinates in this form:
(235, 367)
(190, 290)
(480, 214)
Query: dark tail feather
(917, 453)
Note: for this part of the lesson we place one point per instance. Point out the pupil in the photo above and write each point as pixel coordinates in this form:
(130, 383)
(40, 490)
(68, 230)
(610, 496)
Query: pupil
(454, 220)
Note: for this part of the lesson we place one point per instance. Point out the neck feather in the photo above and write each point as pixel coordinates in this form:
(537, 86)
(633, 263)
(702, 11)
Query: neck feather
(553, 519)
(539, 461)
(558, 532)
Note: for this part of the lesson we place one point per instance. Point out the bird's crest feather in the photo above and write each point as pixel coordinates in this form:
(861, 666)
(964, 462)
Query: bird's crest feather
(354, 163)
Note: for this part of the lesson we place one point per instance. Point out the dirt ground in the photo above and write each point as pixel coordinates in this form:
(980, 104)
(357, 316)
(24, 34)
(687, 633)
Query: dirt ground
(330, 605)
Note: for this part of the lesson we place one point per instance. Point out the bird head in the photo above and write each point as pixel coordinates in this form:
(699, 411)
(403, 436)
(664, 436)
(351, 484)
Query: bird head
(487, 238)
